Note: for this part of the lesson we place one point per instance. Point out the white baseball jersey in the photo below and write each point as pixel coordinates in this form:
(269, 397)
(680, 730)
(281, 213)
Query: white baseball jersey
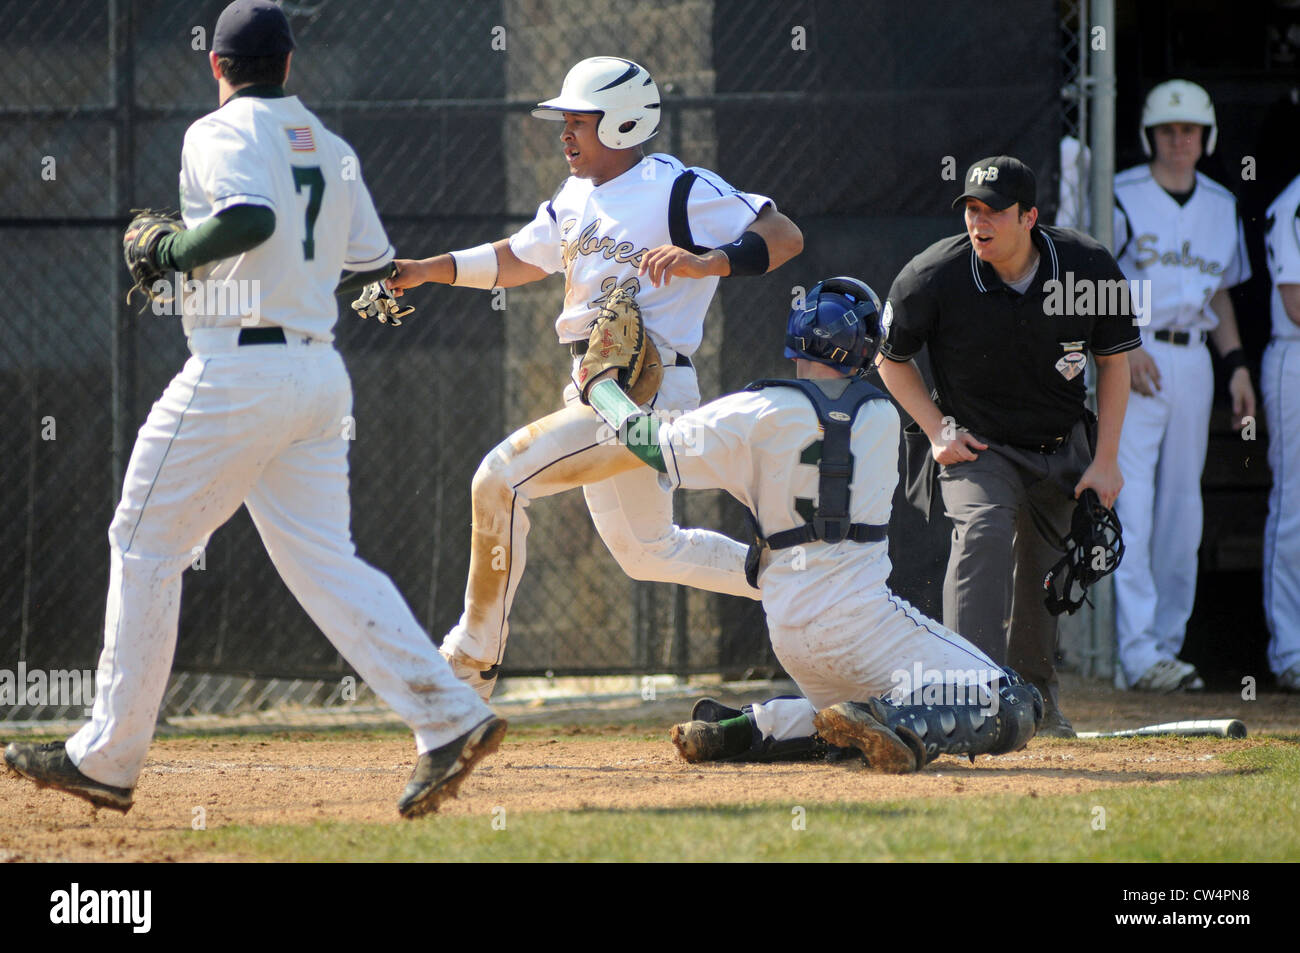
(260, 423)
(1188, 251)
(274, 152)
(1283, 244)
(1280, 384)
(596, 235)
(749, 444)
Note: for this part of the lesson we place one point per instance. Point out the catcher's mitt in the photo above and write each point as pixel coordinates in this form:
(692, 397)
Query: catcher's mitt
(140, 249)
(377, 301)
(618, 340)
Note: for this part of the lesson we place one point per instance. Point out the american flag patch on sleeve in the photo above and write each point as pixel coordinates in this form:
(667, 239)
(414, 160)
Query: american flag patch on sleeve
(300, 139)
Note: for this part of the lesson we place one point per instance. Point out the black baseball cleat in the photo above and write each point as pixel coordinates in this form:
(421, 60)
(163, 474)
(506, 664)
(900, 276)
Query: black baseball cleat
(439, 773)
(709, 709)
(850, 725)
(50, 767)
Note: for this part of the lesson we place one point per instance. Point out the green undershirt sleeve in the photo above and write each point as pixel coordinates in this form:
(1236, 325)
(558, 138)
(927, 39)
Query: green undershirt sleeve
(637, 430)
(641, 436)
(230, 232)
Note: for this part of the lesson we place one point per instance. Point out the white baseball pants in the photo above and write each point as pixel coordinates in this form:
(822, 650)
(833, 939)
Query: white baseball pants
(632, 513)
(1280, 383)
(874, 644)
(1162, 456)
(267, 426)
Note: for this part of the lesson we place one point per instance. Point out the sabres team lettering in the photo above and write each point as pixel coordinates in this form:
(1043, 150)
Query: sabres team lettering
(1149, 255)
(587, 243)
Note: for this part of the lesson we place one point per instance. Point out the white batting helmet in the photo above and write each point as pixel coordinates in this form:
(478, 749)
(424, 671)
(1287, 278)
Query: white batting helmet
(620, 91)
(1179, 101)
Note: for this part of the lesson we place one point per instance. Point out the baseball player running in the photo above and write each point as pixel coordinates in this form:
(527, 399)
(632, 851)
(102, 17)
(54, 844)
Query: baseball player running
(1178, 230)
(622, 222)
(815, 460)
(256, 417)
(1280, 382)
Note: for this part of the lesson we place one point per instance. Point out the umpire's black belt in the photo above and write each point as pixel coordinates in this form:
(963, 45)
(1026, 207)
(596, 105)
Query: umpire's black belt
(1181, 338)
(261, 336)
(579, 348)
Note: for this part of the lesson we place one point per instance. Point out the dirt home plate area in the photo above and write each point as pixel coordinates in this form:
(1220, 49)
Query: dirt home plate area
(606, 757)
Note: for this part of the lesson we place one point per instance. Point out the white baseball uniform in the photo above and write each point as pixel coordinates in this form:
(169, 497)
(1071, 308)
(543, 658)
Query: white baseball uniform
(263, 424)
(1187, 252)
(596, 235)
(1280, 383)
(836, 627)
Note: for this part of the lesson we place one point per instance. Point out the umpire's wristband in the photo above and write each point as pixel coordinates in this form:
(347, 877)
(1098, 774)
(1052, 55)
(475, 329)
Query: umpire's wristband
(1234, 359)
(747, 254)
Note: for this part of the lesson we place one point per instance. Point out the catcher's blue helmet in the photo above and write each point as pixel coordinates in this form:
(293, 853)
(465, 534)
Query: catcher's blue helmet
(838, 325)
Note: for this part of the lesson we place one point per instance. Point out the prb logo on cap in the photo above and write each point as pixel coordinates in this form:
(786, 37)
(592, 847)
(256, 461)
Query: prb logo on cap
(999, 182)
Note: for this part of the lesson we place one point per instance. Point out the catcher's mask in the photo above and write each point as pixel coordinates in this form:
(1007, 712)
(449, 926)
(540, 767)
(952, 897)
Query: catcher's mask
(1093, 549)
(837, 325)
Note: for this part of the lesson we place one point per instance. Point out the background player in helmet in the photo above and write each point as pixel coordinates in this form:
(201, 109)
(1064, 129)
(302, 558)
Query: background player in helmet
(1179, 230)
(623, 220)
(816, 460)
(254, 418)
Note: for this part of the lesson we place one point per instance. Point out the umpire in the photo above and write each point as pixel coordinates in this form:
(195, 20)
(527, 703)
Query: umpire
(1010, 310)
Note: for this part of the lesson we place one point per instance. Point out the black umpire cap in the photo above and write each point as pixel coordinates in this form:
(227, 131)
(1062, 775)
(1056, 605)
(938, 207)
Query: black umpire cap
(1000, 182)
(252, 28)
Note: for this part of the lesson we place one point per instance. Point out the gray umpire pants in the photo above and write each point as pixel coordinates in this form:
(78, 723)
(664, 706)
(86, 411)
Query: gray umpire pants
(993, 591)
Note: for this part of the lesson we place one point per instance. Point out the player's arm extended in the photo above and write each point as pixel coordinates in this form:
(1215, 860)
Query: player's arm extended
(636, 430)
(473, 268)
(230, 232)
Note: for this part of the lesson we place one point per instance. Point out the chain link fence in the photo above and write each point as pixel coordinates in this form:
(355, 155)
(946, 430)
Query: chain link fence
(856, 118)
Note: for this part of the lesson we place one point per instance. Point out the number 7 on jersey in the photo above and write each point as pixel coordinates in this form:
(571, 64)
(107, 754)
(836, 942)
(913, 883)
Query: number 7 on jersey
(311, 177)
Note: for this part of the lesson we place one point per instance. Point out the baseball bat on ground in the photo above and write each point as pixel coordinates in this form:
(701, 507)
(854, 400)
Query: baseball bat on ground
(1210, 727)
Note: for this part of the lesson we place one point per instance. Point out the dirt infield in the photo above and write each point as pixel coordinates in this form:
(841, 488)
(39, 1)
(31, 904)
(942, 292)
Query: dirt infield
(593, 759)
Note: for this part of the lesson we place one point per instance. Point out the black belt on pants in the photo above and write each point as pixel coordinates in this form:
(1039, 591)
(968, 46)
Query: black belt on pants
(261, 336)
(579, 348)
(1181, 338)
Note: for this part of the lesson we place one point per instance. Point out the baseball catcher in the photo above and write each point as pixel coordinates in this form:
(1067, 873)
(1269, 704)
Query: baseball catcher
(815, 462)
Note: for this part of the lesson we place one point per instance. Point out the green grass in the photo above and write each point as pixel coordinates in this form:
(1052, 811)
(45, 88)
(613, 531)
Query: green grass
(1248, 815)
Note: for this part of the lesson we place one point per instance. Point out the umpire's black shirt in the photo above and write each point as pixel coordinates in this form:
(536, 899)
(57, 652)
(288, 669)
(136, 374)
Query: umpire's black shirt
(1002, 361)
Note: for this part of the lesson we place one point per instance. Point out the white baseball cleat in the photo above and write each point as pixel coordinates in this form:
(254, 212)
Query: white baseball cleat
(1170, 675)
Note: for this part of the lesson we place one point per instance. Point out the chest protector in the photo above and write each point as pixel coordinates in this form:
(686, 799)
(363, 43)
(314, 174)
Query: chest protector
(830, 522)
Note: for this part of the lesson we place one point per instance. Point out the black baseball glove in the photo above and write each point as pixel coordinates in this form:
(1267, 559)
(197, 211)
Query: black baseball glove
(140, 249)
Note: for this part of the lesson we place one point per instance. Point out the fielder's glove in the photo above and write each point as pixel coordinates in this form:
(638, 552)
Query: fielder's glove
(377, 301)
(140, 249)
(618, 340)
